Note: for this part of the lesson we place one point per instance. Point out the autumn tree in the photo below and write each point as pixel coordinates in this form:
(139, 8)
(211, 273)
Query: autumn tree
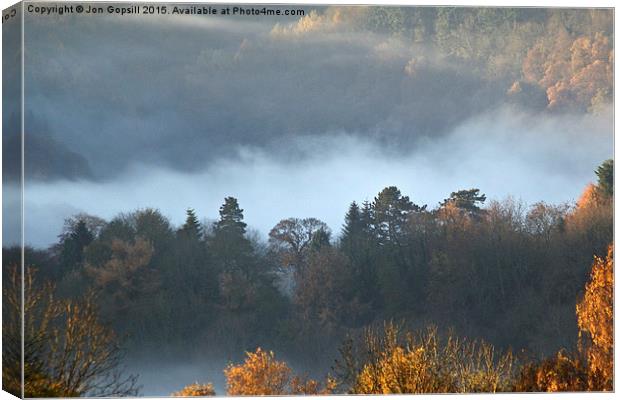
(563, 372)
(291, 239)
(125, 277)
(262, 374)
(591, 367)
(68, 352)
(596, 320)
(395, 362)
(195, 389)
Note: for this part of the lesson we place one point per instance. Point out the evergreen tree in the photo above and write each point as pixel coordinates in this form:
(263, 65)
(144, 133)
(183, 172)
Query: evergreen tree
(320, 239)
(191, 229)
(391, 210)
(353, 227)
(466, 200)
(229, 246)
(231, 219)
(605, 173)
(72, 253)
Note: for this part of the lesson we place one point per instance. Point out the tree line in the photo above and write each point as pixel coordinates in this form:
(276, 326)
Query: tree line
(501, 271)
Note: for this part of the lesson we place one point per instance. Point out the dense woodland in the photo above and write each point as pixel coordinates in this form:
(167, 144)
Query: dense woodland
(561, 59)
(501, 272)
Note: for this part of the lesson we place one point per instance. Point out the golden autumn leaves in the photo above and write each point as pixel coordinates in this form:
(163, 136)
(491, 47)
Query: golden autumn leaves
(595, 318)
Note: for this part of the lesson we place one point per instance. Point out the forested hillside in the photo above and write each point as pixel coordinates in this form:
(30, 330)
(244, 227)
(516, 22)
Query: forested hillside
(498, 271)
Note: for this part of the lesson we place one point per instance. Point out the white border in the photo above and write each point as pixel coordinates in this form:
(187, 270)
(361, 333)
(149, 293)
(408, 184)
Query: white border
(501, 3)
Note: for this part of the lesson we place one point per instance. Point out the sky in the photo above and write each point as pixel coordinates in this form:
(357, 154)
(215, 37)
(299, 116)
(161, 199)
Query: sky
(296, 117)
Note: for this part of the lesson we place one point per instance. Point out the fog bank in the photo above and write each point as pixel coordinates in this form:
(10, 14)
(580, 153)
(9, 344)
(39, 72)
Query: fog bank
(504, 153)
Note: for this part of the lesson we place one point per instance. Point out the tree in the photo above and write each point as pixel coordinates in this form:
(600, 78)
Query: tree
(291, 239)
(229, 246)
(352, 230)
(395, 362)
(195, 389)
(125, 276)
(391, 210)
(560, 373)
(595, 318)
(352, 222)
(466, 200)
(67, 350)
(73, 244)
(191, 229)
(605, 174)
(231, 218)
(153, 227)
(262, 375)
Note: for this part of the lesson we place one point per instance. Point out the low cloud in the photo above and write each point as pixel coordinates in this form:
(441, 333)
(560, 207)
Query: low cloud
(504, 153)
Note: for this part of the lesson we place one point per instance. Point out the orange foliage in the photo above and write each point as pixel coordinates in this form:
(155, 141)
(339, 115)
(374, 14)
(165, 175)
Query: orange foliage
(561, 373)
(596, 320)
(592, 368)
(588, 197)
(195, 389)
(575, 72)
(261, 374)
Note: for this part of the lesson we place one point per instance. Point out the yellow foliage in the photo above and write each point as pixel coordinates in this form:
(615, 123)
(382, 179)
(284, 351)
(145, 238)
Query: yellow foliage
(596, 320)
(67, 351)
(592, 368)
(262, 375)
(427, 365)
(195, 389)
(561, 373)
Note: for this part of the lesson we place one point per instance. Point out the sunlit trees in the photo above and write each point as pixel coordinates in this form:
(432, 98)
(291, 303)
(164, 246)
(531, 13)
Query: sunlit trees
(595, 317)
(591, 367)
(67, 350)
(561, 373)
(576, 72)
(393, 361)
(261, 374)
(195, 389)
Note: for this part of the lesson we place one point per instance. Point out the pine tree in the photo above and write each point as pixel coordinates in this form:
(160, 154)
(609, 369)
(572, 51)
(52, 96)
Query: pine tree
(320, 239)
(466, 200)
(72, 253)
(231, 218)
(605, 173)
(229, 246)
(353, 226)
(191, 229)
(391, 210)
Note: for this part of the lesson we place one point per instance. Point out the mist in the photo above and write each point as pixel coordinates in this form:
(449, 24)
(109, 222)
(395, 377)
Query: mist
(503, 153)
